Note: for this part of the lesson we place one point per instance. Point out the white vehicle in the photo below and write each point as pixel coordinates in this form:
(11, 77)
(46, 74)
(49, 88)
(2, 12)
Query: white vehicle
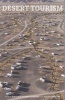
(53, 31)
(18, 63)
(42, 67)
(45, 68)
(62, 75)
(18, 87)
(59, 60)
(54, 54)
(61, 67)
(58, 44)
(30, 42)
(34, 42)
(0, 55)
(41, 79)
(6, 33)
(1, 85)
(9, 75)
(13, 66)
(38, 56)
(17, 67)
(10, 94)
(8, 89)
(60, 35)
(41, 39)
(19, 83)
(45, 39)
(21, 35)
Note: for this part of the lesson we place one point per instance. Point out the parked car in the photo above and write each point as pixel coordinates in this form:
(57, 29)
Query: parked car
(19, 87)
(10, 94)
(10, 75)
(4, 84)
(8, 89)
(19, 67)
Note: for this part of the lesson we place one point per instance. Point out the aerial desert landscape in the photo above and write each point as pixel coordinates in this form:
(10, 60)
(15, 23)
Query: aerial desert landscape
(31, 52)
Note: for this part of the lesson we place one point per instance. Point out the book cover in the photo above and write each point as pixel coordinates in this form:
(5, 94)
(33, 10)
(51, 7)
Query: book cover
(32, 50)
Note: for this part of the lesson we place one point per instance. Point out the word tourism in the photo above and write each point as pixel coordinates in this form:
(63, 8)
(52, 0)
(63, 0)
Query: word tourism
(23, 8)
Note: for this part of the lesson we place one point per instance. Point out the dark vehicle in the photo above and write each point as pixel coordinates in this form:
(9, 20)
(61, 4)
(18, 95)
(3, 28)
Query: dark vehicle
(23, 84)
(19, 67)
